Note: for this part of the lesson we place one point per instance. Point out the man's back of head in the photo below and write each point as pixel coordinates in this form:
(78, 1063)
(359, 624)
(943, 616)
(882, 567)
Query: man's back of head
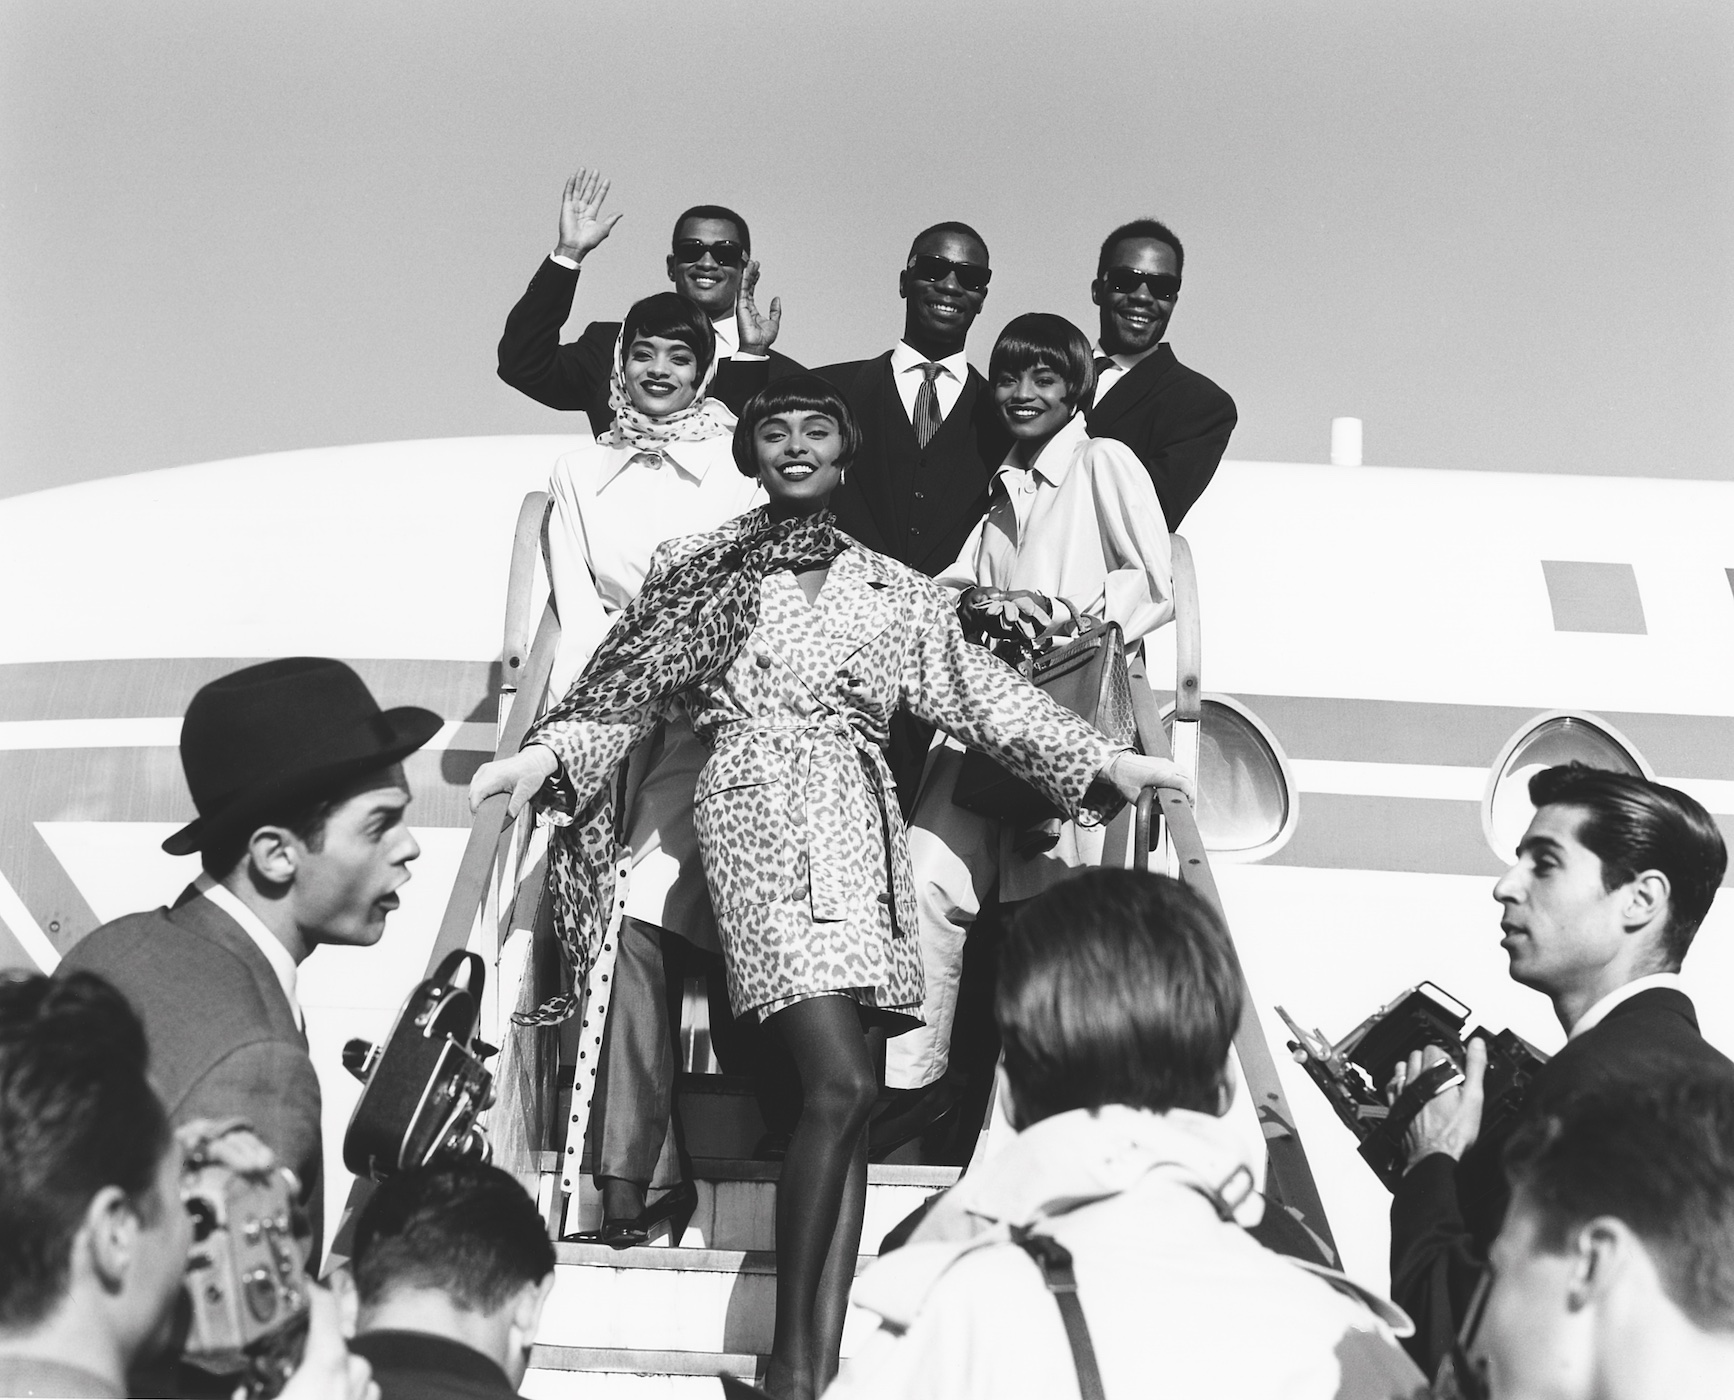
(93, 1241)
(455, 1249)
(1117, 987)
(1614, 1274)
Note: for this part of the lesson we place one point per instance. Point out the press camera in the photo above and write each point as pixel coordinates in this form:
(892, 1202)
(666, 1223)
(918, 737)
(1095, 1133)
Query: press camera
(426, 1085)
(246, 1276)
(1352, 1073)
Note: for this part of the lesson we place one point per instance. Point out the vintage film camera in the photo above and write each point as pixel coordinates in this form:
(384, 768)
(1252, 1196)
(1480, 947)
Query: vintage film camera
(426, 1085)
(246, 1276)
(1353, 1072)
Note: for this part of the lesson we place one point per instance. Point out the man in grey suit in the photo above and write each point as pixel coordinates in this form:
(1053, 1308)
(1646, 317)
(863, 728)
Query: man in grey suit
(298, 780)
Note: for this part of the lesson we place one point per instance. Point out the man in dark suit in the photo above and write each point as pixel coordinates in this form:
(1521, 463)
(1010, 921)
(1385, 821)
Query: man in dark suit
(1613, 878)
(298, 780)
(710, 265)
(452, 1268)
(930, 435)
(1175, 419)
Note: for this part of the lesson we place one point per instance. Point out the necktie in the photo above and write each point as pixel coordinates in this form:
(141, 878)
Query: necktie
(1100, 363)
(927, 404)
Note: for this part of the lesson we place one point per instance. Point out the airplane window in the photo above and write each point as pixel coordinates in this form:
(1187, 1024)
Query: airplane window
(1246, 808)
(1556, 737)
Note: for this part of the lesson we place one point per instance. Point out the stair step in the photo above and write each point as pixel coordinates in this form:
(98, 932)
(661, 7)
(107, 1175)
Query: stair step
(737, 1203)
(716, 1301)
(601, 1373)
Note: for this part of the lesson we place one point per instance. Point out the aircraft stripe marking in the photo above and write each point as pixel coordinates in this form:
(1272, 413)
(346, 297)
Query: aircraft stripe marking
(457, 735)
(23, 926)
(1451, 783)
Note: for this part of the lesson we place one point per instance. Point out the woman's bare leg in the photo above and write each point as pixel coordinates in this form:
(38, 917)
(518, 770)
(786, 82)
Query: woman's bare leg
(821, 1194)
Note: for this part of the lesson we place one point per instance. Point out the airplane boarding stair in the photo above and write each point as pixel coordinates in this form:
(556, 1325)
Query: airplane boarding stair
(661, 1320)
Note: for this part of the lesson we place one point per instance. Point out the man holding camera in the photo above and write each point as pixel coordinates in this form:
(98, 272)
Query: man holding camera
(94, 1241)
(1613, 878)
(298, 780)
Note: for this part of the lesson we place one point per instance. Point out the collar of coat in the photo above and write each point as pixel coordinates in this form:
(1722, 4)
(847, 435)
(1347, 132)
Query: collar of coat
(1074, 1160)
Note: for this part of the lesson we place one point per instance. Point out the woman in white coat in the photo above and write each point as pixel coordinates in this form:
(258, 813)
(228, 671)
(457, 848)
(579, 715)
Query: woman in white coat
(1069, 517)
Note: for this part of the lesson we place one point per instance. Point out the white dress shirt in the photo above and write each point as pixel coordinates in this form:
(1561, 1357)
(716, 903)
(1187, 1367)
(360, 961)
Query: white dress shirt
(612, 507)
(947, 384)
(1598, 1013)
(1082, 523)
(1114, 373)
(254, 927)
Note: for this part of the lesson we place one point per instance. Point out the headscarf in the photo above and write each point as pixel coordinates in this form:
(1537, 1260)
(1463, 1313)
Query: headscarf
(684, 630)
(702, 418)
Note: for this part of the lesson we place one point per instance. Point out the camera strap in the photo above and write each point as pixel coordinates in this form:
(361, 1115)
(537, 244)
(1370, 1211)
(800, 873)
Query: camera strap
(1055, 1262)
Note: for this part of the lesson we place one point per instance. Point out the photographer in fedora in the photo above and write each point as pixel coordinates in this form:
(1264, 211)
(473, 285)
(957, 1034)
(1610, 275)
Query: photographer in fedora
(298, 780)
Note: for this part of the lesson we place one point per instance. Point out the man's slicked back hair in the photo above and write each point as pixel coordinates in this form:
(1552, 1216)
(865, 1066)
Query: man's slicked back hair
(1117, 987)
(1635, 825)
(794, 393)
(76, 1114)
(463, 1228)
(1040, 338)
(1658, 1156)
(949, 226)
(715, 211)
(1152, 229)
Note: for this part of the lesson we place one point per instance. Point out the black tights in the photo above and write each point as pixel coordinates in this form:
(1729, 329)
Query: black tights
(822, 1191)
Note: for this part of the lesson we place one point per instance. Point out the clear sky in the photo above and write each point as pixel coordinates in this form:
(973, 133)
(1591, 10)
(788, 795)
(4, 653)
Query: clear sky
(1497, 232)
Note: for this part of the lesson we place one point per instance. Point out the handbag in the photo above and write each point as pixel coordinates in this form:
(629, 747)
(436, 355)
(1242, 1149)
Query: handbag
(1088, 676)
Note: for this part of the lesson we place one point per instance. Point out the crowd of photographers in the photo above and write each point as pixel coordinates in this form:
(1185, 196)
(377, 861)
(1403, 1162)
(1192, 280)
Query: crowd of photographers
(1105, 1249)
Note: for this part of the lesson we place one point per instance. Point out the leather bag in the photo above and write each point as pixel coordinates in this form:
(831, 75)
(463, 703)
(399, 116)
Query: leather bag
(1086, 674)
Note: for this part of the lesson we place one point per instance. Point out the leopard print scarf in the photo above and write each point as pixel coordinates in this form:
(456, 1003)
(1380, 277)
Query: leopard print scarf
(683, 630)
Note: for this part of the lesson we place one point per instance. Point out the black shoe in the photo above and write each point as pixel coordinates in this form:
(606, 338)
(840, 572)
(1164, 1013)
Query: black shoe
(911, 1114)
(670, 1215)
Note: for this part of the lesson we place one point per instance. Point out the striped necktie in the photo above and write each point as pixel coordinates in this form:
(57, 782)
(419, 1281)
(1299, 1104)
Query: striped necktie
(927, 404)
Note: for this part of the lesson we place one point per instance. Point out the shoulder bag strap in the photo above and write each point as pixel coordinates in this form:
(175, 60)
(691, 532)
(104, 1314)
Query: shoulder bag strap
(1055, 1262)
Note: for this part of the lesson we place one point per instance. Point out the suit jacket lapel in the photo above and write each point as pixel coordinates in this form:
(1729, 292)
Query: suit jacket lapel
(959, 453)
(1130, 395)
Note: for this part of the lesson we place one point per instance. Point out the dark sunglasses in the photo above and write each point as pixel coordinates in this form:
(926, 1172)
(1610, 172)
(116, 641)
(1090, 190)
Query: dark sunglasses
(726, 253)
(1164, 286)
(930, 267)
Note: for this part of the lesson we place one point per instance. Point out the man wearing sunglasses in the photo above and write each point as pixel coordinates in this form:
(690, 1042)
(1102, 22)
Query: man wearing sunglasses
(710, 264)
(1176, 420)
(930, 435)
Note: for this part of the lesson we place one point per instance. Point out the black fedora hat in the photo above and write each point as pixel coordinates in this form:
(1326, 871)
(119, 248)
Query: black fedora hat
(283, 732)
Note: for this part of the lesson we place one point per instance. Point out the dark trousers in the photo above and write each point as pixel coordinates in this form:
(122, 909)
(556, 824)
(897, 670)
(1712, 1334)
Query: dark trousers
(634, 1131)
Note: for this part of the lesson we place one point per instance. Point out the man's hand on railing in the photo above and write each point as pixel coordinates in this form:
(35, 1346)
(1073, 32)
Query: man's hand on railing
(1131, 773)
(521, 776)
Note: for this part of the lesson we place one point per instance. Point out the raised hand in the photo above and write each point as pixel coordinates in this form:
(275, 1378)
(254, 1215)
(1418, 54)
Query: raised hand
(582, 223)
(756, 331)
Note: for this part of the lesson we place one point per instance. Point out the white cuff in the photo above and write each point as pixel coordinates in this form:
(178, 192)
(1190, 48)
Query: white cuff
(564, 262)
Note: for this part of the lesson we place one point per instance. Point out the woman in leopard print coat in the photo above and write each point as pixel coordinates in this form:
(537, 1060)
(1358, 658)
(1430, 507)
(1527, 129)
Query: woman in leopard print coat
(792, 678)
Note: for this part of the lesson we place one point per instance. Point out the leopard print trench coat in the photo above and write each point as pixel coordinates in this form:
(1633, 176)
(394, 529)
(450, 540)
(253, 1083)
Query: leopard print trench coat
(798, 825)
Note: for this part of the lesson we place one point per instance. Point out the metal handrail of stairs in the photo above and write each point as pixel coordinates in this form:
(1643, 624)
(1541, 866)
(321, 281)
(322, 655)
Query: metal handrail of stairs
(1289, 1179)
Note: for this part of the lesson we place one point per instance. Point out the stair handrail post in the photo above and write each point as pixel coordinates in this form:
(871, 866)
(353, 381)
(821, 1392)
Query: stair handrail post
(1188, 659)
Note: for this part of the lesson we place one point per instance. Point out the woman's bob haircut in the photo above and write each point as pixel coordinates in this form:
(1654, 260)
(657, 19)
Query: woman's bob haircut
(1117, 987)
(670, 316)
(796, 393)
(1039, 338)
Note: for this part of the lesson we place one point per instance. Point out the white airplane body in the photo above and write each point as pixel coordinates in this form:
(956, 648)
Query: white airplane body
(1392, 629)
